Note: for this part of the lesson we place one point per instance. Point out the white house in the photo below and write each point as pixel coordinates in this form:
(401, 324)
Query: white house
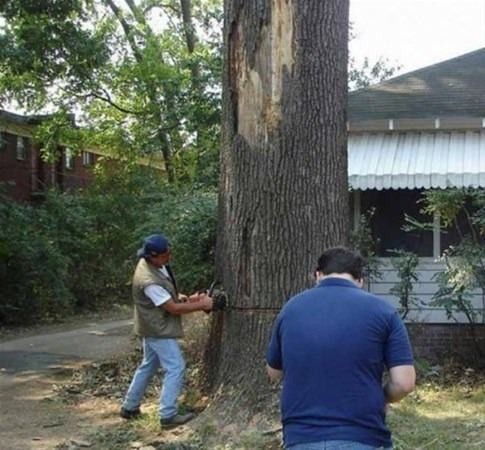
(421, 130)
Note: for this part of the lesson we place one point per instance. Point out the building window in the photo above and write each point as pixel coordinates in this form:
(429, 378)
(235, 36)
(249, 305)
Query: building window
(3, 142)
(21, 150)
(88, 159)
(69, 159)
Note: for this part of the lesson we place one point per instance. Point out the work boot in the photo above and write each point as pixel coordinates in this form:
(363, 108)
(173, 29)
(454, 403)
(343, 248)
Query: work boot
(175, 421)
(129, 413)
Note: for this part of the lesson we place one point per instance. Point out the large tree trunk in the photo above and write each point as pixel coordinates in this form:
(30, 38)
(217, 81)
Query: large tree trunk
(283, 190)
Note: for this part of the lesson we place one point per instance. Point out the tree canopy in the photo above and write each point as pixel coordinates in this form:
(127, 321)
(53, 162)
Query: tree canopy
(141, 76)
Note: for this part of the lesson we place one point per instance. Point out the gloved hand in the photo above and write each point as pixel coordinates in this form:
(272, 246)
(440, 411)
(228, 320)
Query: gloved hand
(219, 300)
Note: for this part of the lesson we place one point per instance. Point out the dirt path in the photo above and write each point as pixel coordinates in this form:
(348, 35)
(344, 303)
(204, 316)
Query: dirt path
(29, 370)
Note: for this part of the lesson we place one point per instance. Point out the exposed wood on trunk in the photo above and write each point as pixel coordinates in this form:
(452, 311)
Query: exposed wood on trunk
(258, 80)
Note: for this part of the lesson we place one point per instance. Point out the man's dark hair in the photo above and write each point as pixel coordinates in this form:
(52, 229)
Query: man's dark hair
(341, 260)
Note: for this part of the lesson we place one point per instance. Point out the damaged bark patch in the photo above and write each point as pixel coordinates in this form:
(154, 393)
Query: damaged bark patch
(258, 87)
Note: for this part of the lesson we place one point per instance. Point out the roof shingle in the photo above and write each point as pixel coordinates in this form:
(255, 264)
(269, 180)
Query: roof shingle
(453, 88)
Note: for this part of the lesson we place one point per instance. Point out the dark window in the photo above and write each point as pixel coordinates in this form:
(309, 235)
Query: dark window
(3, 142)
(389, 219)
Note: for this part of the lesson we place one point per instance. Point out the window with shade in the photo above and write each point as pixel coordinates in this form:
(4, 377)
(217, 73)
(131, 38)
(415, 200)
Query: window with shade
(88, 159)
(21, 149)
(69, 159)
(3, 142)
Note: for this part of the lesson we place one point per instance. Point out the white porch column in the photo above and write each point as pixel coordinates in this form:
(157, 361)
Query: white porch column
(436, 236)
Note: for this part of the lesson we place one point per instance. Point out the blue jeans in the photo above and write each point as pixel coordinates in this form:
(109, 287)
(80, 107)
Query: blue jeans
(157, 353)
(335, 445)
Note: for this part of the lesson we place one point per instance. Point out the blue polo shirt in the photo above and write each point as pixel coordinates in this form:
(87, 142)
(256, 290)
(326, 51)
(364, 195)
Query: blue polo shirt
(332, 343)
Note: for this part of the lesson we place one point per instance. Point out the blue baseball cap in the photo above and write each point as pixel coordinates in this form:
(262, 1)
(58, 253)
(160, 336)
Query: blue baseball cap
(153, 245)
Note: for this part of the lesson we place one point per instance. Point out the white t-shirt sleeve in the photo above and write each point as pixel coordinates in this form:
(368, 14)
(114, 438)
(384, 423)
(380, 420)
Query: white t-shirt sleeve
(157, 294)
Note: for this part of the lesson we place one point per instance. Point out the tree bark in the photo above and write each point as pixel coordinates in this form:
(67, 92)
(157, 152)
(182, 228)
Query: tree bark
(283, 188)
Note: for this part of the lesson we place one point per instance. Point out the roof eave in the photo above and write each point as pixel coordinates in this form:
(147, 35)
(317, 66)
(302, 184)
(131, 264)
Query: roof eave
(416, 124)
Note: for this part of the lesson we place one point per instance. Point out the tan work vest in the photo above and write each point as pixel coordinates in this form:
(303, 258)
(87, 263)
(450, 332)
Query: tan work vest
(151, 320)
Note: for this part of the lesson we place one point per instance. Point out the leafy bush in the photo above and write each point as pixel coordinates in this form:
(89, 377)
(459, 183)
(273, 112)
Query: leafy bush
(406, 264)
(77, 251)
(464, 274)
(188, 219)
(33, 269)
(461, 210)
(362, 240)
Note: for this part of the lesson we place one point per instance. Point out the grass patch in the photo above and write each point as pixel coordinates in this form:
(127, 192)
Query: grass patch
(440, 417)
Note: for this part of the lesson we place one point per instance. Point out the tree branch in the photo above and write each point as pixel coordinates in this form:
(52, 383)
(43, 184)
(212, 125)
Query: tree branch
(138, 14)
(190, 37)
(127, 29)
(156, 4)
(151, 86)
(107, 98)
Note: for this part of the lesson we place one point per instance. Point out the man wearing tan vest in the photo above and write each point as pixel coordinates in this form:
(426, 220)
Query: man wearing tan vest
(158, 307)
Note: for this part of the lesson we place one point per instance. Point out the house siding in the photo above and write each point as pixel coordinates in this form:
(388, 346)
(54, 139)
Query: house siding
(433, 335)
(424, 289)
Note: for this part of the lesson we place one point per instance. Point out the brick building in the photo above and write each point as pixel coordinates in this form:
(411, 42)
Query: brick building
(24, 175)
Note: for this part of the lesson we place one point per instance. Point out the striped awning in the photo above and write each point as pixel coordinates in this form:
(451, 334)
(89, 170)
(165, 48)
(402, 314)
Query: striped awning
(412, 160)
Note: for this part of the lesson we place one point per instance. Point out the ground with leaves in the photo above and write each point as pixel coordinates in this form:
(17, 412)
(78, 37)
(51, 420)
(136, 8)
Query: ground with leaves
(77, 409)
(447, 412)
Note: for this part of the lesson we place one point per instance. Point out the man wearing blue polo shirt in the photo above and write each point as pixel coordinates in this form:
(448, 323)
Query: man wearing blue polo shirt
(331, 345)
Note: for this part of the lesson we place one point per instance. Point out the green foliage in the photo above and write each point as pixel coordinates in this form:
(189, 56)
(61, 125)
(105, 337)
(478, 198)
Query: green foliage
(43, 42)
(55, 129)
(77, 251)
(362, 240)
(188, 219)
(447, 203)
(457, 281)
(32, 267)
(361, 76)
(464, 210)
(464, 275)
(405, 264)
(369, 73)
(144, 78)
